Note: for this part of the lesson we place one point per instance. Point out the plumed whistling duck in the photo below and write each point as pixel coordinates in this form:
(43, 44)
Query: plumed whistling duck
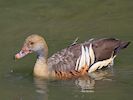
(75, 60)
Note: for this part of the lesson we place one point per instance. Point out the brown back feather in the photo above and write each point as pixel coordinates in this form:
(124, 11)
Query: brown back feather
(65, 60)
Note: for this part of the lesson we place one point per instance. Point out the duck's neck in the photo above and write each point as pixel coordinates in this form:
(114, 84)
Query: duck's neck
(41, 67)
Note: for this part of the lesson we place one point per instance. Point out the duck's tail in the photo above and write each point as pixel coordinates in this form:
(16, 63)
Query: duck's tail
(122, 45)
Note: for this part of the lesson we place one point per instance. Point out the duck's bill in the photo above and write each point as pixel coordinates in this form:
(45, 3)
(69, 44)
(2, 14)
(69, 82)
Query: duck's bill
(21, 54)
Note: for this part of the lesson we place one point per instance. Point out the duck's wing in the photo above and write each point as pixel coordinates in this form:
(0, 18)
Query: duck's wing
(65, 60)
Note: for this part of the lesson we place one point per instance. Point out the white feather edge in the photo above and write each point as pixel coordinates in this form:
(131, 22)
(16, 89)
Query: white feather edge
(101, 64)
(77, 64)
(82, 58)
(87, 57)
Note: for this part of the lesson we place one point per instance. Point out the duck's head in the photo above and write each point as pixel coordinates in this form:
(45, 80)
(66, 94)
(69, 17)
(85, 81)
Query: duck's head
(33, 43)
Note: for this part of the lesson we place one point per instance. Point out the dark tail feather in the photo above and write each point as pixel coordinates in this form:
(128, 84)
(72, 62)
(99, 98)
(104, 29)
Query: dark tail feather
(121, 46)
(124, 44)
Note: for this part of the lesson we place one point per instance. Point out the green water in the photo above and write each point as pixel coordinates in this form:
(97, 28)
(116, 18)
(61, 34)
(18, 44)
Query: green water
(60, 22)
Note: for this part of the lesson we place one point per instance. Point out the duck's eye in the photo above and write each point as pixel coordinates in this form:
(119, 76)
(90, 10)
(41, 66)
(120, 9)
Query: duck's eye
(31, 43)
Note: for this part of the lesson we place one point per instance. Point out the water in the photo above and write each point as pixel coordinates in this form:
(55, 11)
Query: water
(60, 22)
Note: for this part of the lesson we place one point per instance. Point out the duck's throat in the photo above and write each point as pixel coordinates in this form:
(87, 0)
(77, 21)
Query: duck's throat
(41, 67)
(43, 53)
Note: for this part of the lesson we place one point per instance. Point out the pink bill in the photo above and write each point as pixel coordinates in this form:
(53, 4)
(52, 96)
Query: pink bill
(21, 54)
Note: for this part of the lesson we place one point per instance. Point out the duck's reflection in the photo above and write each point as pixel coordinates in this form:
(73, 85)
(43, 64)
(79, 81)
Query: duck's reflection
(41, 88)
(85, 83)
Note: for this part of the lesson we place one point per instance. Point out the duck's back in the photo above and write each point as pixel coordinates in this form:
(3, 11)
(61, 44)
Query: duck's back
(65, 60)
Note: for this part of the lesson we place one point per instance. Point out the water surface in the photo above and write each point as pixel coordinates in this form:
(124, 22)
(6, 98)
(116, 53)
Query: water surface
(60, 22)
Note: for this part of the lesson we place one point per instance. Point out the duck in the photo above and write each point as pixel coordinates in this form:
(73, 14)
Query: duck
(76, 60)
